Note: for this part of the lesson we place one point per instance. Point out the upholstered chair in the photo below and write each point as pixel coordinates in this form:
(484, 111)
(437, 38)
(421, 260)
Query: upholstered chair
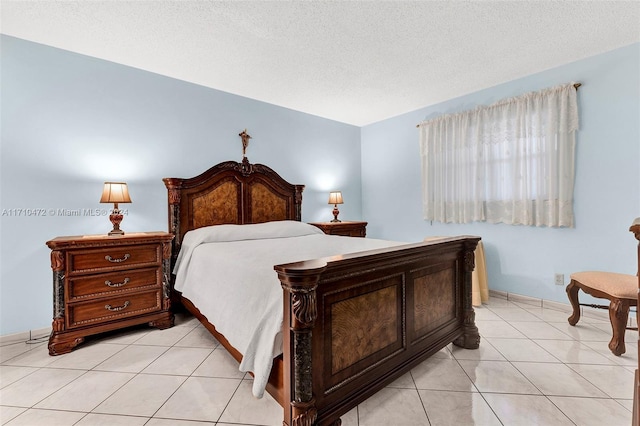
(620, 289)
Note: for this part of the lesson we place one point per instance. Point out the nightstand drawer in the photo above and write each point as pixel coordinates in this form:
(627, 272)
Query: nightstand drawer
(82, 287)
(112, 308)
(119, 257)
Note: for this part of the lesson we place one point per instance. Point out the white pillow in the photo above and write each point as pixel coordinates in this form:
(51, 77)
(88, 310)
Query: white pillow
(257, 231)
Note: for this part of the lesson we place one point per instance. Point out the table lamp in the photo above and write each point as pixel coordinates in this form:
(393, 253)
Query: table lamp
(335, 198)
(115, 192)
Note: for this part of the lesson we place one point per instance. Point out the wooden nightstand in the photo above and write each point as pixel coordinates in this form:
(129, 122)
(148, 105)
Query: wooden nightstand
(348, 229)
(103, 283)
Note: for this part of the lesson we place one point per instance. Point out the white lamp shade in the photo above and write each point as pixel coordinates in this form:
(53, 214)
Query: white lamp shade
(335, 197)
(115, 192)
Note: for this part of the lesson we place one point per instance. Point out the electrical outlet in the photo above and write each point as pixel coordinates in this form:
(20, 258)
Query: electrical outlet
(559, 279)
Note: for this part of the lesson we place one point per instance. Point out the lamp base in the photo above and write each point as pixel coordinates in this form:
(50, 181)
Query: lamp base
(336, 212)
(115, 218)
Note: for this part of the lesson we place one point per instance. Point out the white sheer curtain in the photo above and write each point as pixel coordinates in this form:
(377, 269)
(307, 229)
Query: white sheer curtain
(510, 162)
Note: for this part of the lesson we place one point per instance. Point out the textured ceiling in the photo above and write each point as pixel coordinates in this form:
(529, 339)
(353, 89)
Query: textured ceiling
(353, 61)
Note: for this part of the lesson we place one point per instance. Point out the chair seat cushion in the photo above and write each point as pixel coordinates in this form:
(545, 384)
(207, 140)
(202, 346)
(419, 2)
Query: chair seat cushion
(622, 286)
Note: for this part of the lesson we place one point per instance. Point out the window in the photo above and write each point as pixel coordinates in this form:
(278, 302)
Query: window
(511, 162)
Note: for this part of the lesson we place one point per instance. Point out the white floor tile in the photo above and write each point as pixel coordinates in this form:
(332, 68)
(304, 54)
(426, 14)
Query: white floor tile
(393, 406)
(614, 380)
(583, 331)
(200, 398)
(35, 417)
(520, 350)
(526, 410)
(404, 382)
(185, 319)
(10, 351)
(33, 388)
(498, 302)
(132, 359)
(86, 392)
(626, 403)
(498, 329)
(558, 380)
(9, 413)
(515, 314)
(245, 408)
(87, 358)
(629, 358)
(442, 374)
(93, 419)
(350, 418)
(219, 364)
(9, 374)
(141, 396)
(548, 315)
(568, 351)
(593, 411)
(457, 409)
(199, 337)
(178, 361)
(485, 314)
(444, 353)
(126, 336)
(532, 368)
(539, 330)
(497, 376)
(36, 357)
(174, 422)
(485, 352)
(167, 337)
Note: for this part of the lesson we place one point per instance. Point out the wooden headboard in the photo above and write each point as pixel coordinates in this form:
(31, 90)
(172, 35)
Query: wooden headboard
(230, 193)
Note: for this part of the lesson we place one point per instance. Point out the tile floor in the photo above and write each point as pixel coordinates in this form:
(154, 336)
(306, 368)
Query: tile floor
(532, 368)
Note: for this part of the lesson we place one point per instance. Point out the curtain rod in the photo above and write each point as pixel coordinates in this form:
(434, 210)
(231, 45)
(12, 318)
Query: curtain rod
(575, 85)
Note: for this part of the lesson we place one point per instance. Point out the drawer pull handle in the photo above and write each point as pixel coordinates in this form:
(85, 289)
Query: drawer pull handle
(110, 284)
(117, 308)
(112, 260)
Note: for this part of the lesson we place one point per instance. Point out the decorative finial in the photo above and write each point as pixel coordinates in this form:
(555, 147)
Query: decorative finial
(245, 141)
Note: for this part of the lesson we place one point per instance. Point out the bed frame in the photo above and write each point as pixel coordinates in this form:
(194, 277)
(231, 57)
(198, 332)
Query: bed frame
(352, 323)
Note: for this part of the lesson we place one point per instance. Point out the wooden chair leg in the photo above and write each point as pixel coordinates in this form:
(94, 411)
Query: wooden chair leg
(618, 315)
(572, 293)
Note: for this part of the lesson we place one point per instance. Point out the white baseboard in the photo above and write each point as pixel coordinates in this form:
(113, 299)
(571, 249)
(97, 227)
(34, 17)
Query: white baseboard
(24, 336)
(602, 314)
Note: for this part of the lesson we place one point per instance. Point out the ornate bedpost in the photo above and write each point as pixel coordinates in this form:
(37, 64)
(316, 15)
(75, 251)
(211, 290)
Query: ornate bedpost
(298, 202)
(166, 275)
(173, 192)
(300, 314)
(470, 338)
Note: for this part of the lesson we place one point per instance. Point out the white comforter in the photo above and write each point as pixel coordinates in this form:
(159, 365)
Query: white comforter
(227, 272)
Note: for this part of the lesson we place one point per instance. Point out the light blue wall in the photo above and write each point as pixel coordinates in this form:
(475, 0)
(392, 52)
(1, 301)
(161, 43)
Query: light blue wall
(70, 122)
(524, 259)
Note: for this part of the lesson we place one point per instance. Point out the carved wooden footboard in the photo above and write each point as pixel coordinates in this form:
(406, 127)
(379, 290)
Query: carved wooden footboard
(357, 322)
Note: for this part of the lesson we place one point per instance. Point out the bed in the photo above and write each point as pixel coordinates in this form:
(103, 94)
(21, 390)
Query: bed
(352, 323)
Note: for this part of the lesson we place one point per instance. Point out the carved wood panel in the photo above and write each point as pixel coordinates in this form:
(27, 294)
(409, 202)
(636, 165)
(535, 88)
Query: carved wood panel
(434, 301)
(219, 205)
(265, 205)
(363, 325)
